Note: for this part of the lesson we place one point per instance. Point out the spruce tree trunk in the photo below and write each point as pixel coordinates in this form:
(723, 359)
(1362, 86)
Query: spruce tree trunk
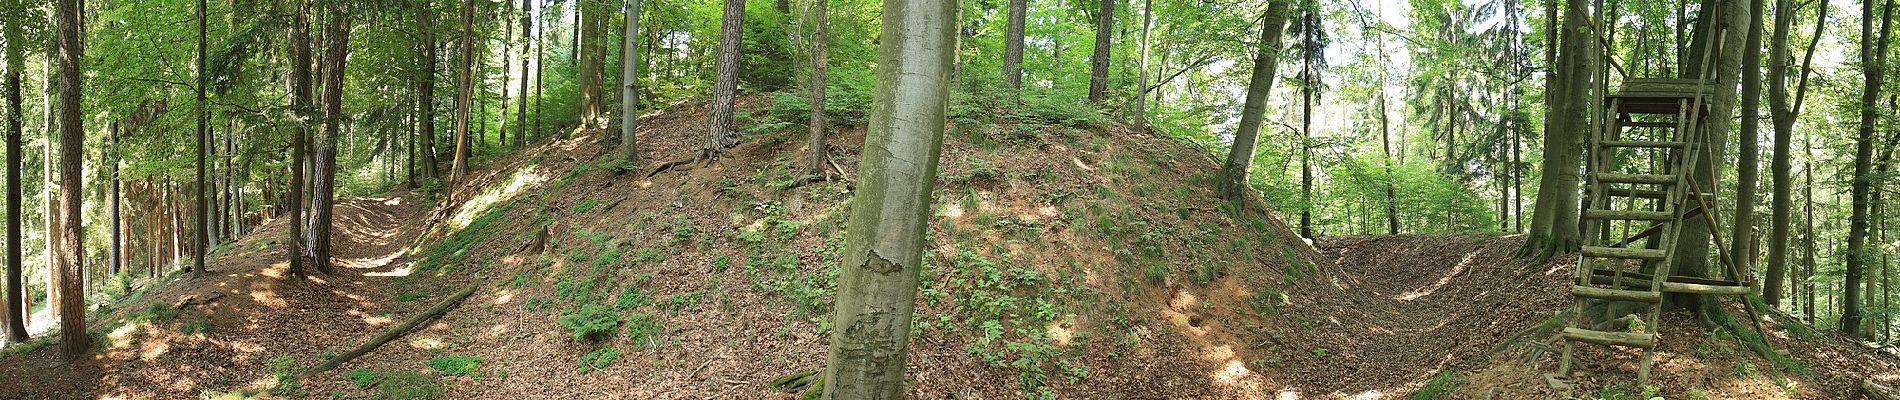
(820, 38)
(50, 174)
(115, 240)
(299, 102)
(1098, 64)
(1233, 177)
(885, 236)
(465, 94)
(1554, 215)
(1013, 44)
(74, 341)
(721, 135)
(1863, 157)
(16, 313)
(630, 85)
(425, 21)
(1748, 165)
(336, 39)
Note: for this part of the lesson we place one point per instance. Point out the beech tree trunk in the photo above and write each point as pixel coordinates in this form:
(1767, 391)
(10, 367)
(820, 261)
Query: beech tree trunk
(202, 188)
(1783, 113)
(425, 26)
(74, 341)
(1233, 176)
(630, 85)
(1554, 228)
(16, 313)
(884, 250)
(721, 135)
(465, 94)
(1098, 64)
(1863, 167)
(1141, 86)
(1748, 165)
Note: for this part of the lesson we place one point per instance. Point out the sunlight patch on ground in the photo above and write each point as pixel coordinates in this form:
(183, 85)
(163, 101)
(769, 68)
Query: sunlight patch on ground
(372, 320)
(1374, 394)
(497, 331)
(371, 263)
(1060, 334)
(1454, 272)
(1287, 394)
(507, 296)
(268, 298)
(398, 272)
(474, 207)
(427, 343)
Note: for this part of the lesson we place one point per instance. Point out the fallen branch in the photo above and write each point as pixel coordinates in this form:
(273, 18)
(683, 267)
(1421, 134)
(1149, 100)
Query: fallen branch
(392, 333)
(1878, 391)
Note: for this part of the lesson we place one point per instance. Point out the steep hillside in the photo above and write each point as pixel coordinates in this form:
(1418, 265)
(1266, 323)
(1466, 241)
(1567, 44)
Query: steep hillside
(1065, 262)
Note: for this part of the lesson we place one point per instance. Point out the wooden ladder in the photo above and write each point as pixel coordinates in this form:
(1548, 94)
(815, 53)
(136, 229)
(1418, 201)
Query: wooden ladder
(1640, 188)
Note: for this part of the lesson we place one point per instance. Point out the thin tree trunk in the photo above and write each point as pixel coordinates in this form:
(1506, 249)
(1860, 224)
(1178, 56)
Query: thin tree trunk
(1141, 95)
(593, 58)
(1748, 168)
(202, 186)
(507, 52)
(1098, 64)
(630, 85)
(820, 41)
(1784, 118)
(527, 38)
(115, 241)
(464, 93)
(425, 19)
(74, 341)
(49, 157)
(300, 92)
(876, 292)
(1233, 178)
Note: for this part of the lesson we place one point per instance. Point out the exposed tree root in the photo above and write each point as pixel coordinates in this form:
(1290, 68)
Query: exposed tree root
(393, 332)
(702, 158)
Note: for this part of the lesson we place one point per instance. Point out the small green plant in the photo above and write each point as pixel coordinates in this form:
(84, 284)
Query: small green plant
(599, 359)
(284, 369)
(411, 296)
(585, 206)
(157, 313)
(632, 297)
(1321, 352)
(644, 330)
(1266, 300)
(409, 385)
(1439, 387)
(591, 322)
(194, 327)
(456, 365)
(363, 377)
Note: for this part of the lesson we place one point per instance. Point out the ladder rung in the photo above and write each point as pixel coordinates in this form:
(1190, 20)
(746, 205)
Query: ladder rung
(1626, 253)
(1735, 289)
(1626, 339)
(1616, 294)
(1646, 194)
(1637, 215)
(1606, 177)
(1641, 143)
(1648, 124)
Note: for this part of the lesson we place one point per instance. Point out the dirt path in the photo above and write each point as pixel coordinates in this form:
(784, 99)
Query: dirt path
(258, 324)
(1409, 306)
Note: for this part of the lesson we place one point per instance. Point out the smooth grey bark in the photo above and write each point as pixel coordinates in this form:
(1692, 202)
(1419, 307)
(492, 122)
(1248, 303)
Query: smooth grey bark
(15, 314)
(1232, 184)
(1748, 149)
(1554, 228)
(1013, 44)
(1692, 246)
(527, 39)
(721, 135)
(1098, 63)
(74, 341)
(465, 94)
(1783, 113)
(1874, 58)
(885, 236)
(425, 26)
(630, 85)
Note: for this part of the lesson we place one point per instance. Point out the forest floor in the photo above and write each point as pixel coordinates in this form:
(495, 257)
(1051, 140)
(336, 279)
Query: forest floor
(1063, 261)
